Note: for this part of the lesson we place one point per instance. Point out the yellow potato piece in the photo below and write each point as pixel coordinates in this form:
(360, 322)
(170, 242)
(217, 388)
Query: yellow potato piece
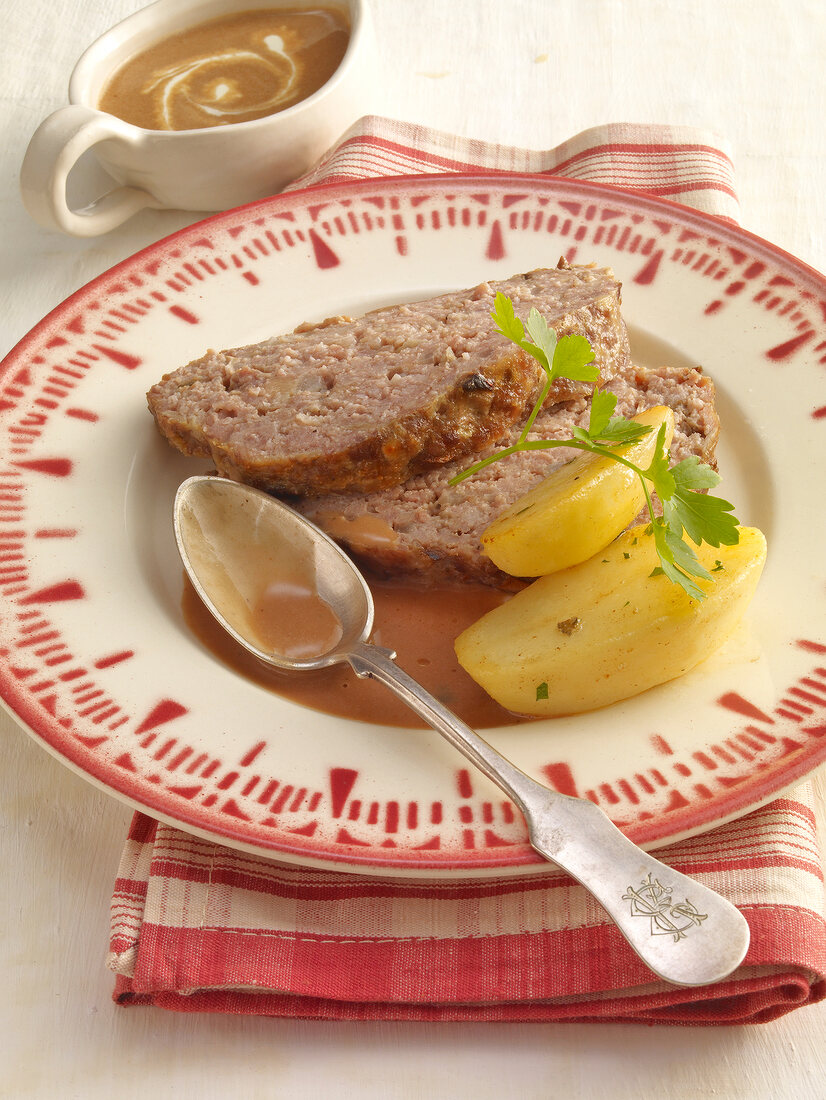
(576, 510)
(606, 629)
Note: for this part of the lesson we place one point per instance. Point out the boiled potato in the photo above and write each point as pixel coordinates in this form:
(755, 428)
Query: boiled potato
(606, 629)
(576, 510)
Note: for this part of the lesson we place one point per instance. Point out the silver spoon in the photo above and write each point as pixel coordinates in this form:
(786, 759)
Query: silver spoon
(236, 542)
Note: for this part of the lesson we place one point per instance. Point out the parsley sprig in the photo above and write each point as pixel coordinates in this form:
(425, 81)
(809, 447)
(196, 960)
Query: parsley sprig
(686, 509)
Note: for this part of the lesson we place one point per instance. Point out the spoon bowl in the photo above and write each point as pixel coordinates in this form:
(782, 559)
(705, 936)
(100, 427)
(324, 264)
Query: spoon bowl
(288, 594)
(234, 540)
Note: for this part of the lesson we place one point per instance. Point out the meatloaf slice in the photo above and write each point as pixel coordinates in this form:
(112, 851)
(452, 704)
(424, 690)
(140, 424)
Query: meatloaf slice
(431, 530)
(364, 404)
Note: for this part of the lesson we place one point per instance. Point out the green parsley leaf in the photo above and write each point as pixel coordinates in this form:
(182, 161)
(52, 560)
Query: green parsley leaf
(542, 690)
(703, 517)
(618, 430)
(678, 560)
(684, 557)
(658, 472)
(574, 358)
(543, 337)
(603, 403)
(691, 473)
(604, 427)
(506, 320)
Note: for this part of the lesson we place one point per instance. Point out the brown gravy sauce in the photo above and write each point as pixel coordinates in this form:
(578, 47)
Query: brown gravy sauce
(236, 68)
(420, 624)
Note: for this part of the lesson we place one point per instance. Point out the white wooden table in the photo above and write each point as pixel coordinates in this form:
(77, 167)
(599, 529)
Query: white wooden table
(529, 72)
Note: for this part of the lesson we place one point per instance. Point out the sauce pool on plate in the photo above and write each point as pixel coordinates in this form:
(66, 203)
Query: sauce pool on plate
(420, 624)
(236, 68)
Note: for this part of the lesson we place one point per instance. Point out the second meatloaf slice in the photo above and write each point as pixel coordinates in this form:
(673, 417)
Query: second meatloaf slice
(431, 531)
(364, 404)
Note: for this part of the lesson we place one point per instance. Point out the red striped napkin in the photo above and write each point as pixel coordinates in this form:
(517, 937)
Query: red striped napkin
(200, 927)
(680, 163)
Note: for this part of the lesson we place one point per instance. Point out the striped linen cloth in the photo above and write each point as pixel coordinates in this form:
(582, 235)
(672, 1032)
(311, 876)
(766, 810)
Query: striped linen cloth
(680, 163)
(199, 927)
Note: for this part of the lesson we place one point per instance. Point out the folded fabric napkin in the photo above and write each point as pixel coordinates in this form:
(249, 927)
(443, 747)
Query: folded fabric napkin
(681, 163)
(200, 927)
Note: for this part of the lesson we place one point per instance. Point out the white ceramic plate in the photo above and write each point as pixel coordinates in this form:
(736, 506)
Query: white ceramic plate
(96, 661)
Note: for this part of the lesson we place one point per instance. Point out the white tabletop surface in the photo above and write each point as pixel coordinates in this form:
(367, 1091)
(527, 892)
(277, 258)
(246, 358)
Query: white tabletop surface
(529, 72)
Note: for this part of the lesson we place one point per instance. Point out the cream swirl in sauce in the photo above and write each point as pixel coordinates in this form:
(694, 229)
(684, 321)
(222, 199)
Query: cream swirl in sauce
(204, 87)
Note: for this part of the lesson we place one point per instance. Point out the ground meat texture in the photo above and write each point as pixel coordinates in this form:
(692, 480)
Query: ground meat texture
(365, 404)
(429, 530)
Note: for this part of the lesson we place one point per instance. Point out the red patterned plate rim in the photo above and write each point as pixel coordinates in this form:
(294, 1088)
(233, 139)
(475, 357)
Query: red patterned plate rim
(90, 688)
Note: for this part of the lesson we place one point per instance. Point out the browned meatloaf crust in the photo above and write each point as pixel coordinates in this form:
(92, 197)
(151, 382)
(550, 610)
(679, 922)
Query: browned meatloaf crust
(430, 530)
(364, 404)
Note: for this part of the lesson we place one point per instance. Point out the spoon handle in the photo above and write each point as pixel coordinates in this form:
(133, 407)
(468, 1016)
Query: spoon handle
(685, 932)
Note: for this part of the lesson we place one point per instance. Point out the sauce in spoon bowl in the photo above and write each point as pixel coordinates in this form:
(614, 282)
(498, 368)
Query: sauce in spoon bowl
(281, 588)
